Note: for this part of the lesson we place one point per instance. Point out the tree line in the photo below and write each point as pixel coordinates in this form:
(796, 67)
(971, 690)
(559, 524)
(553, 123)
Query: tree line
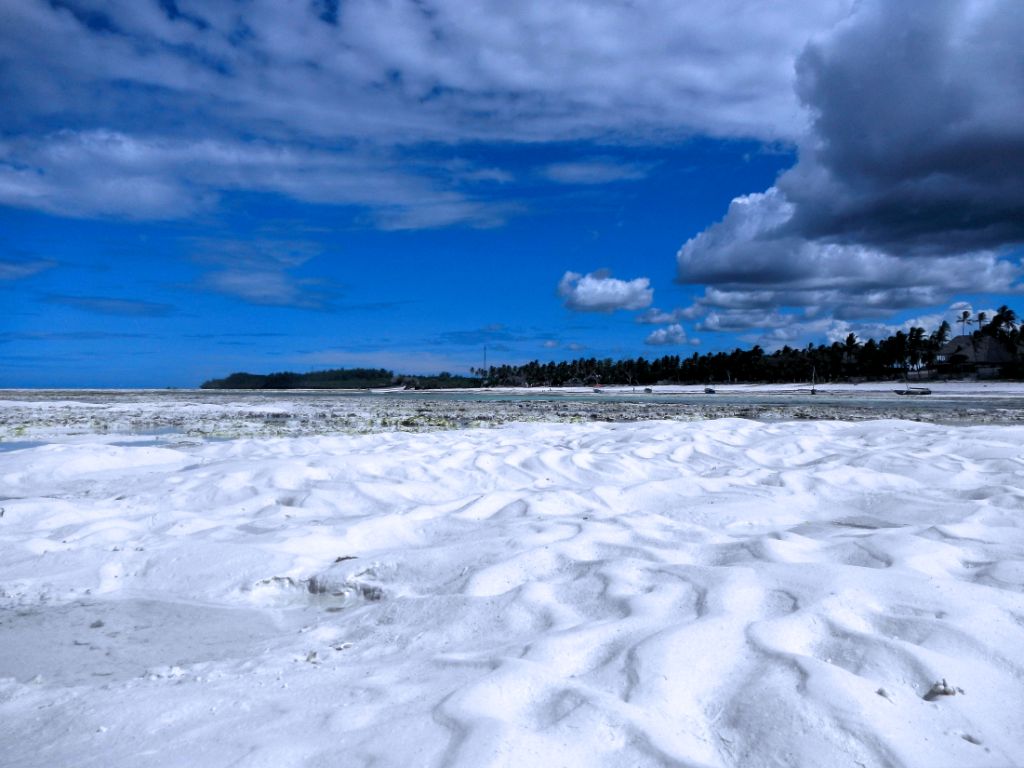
(338, 378)
(341, 378)
(894, 357)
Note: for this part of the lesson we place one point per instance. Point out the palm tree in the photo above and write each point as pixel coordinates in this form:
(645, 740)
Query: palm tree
(965, 320)
(935, 342)
(915, 346)
(1005, 318)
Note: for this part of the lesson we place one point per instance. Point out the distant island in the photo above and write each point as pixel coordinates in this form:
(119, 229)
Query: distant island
(995, 350)
(340, 378)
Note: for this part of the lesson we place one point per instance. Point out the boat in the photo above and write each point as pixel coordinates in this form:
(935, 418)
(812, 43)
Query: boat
(913, 391)
(709, 390)
(598, 391)
(648, 391)
(909, 390)
(386, 390)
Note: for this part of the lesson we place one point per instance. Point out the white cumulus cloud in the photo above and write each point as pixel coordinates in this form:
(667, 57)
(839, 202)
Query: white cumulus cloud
(600, 292)
(671, 334)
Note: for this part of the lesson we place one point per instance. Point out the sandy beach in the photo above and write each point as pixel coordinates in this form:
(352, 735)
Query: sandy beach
(722, 592)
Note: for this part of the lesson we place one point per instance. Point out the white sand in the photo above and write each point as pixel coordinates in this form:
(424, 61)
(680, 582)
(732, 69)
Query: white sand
(719, 593)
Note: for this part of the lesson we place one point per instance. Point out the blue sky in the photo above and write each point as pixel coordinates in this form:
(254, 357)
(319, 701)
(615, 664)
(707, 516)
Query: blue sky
(190, 189)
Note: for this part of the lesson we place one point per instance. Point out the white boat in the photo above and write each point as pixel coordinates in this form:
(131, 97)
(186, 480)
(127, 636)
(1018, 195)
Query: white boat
(909, 390)
(386, 390)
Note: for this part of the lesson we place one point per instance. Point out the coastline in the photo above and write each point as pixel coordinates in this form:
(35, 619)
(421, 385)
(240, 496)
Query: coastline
(953, 388)
(167, 415)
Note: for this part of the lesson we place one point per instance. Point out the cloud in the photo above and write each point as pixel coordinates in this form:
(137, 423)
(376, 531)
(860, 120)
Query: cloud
(600, 292)
(655, 316)
(261, 271)
(16, 270)
(594, 172)
(909, 187)
(104, 305)
(327, 102)
(672, 334)
(255, 254)
(917, 142)
(110, 173)
(750, 260)
(773, 329)
(486, 175)
(411, 70)
(268, 288)
(741, 320)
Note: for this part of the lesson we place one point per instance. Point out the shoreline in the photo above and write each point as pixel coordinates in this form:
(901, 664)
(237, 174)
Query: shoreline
(169, 415)
(955, 388)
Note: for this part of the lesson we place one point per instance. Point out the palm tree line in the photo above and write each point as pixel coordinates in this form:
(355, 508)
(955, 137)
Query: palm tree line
(894, 357)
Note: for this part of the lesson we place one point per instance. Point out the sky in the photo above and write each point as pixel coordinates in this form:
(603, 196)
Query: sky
(189, 189)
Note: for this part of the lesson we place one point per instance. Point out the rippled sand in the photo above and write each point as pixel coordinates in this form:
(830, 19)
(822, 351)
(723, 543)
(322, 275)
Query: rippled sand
(720, 593)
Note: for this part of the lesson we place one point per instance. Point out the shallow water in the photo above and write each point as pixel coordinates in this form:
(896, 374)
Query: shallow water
(172, 415)
(19, 445)
(781, 398)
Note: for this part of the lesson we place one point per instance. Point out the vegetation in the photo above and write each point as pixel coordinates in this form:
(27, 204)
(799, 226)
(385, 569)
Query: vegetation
(443, 380)
(339, 378)
(903, 354)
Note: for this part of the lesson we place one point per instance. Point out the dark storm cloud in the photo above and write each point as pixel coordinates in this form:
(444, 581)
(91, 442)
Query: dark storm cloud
(910, 184)
(918, 139)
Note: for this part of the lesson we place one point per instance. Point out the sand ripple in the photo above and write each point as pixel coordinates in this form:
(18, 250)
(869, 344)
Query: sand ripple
(721, 593)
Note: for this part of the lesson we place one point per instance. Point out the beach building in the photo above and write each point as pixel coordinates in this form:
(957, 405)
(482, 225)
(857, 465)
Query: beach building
(984, 356)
